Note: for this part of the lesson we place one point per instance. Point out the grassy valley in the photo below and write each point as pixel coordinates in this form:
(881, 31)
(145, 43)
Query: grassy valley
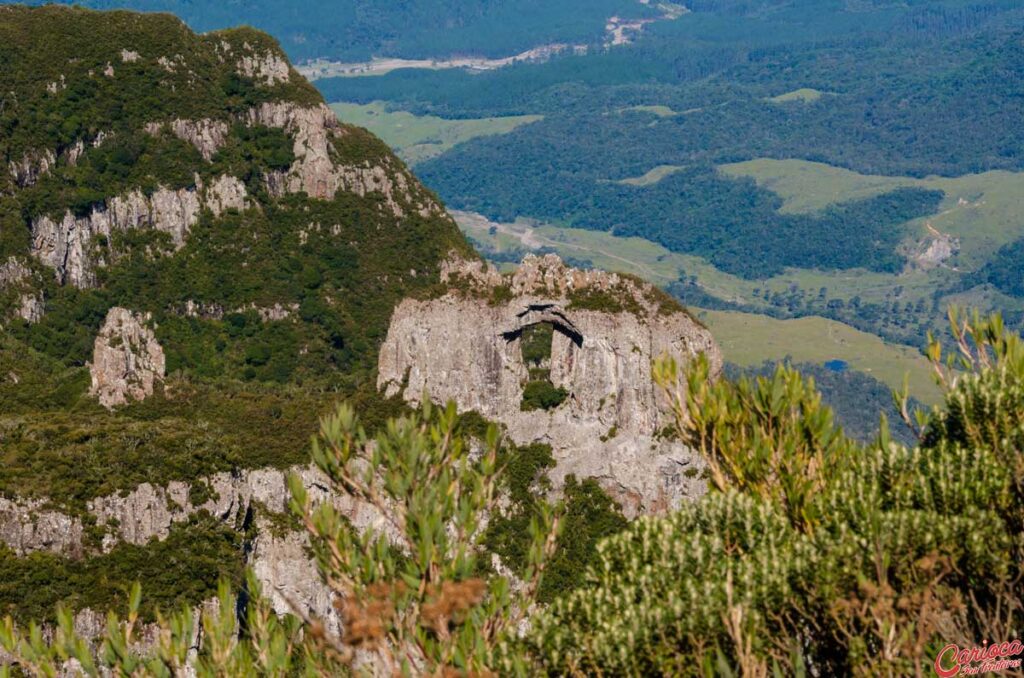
(806, 161)
(416, 138)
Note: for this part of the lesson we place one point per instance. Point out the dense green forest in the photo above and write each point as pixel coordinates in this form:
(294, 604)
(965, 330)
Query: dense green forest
(730, 222)
(884, 88)
(1006, 269)
(356, 30)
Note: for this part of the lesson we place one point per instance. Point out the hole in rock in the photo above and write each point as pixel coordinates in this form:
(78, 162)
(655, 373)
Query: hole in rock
(539, 393)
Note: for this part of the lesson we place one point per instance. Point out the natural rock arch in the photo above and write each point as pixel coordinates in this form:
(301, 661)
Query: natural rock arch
(465, 346)
(536, 314)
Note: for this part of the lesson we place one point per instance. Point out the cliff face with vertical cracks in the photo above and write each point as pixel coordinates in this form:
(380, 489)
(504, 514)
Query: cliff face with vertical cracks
(196, 261)
(127, 360)
(466, 346)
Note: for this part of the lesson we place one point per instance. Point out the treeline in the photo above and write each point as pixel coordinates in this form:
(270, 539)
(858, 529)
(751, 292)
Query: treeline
(730, 222)
(360, 29)
(1006, 270)
(926, 106)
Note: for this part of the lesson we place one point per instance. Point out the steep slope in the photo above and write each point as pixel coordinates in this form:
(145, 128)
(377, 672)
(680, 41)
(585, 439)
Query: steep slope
(561, 357)
(196, 260)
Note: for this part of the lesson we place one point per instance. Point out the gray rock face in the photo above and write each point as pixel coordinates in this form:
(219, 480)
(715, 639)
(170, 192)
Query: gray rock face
(13, 272)
(280, 557)
(266, 68)
(935, 250)
(32, 167)
(290, 578)
(69, 246)
(31, 308)
(27, 526)
(466, 348)
(315, 171)
(127, 360)
(206, 135)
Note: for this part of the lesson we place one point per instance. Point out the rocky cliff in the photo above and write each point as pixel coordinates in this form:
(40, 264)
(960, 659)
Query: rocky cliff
(466, 346)
(127, 360)
(196, 260)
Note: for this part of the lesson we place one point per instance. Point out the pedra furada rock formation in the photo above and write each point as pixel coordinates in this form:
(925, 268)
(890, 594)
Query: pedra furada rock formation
(465, 345)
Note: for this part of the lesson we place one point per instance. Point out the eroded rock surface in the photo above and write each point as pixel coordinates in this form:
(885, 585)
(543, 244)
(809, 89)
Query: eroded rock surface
(267, 68)
(127, 360)
(27, 526)
(316, 170)
(465, 346)
(32, 167)
(71, 246)
(279, 554)
(13, 272)
(206, 135)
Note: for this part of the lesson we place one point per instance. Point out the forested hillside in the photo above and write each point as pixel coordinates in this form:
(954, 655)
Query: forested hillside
(356, 30)
(903, 117)
(198, 186)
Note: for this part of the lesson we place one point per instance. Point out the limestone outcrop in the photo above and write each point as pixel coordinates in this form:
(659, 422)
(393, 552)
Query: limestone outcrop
(267, 68)
(31, 308)
(27, 526)
(127, 360)
(32, 167)
(13, 272)
(465, 346)
(279, 556)
(30, 305)
(316, 171)
(206, 135)
(70, 245)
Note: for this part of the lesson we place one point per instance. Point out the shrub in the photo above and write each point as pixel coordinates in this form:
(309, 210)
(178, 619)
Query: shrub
(542, 395)
(813, 553)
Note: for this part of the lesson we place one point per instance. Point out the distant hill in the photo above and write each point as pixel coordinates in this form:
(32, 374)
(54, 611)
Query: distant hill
(356, 30)
(189, 236)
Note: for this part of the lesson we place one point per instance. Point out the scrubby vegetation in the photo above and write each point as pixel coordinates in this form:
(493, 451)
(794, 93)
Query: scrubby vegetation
(542, 395)
(538, 391)
(183, 569)
(811, 552)
(325, 268)
(588, 515)
(854, 397)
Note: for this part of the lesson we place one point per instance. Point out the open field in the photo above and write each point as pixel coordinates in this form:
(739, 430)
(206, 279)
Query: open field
(661, 266)
(652, 177)
(985, 211)
(749, 339)
(805, 95)
(417, 138)
(660, 111)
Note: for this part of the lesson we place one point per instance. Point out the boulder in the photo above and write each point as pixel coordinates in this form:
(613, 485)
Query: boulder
(127, 360)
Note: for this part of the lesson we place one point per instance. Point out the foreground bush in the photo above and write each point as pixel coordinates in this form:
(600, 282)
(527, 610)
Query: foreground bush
(813, 554)
(410, 593)
(810, 555)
